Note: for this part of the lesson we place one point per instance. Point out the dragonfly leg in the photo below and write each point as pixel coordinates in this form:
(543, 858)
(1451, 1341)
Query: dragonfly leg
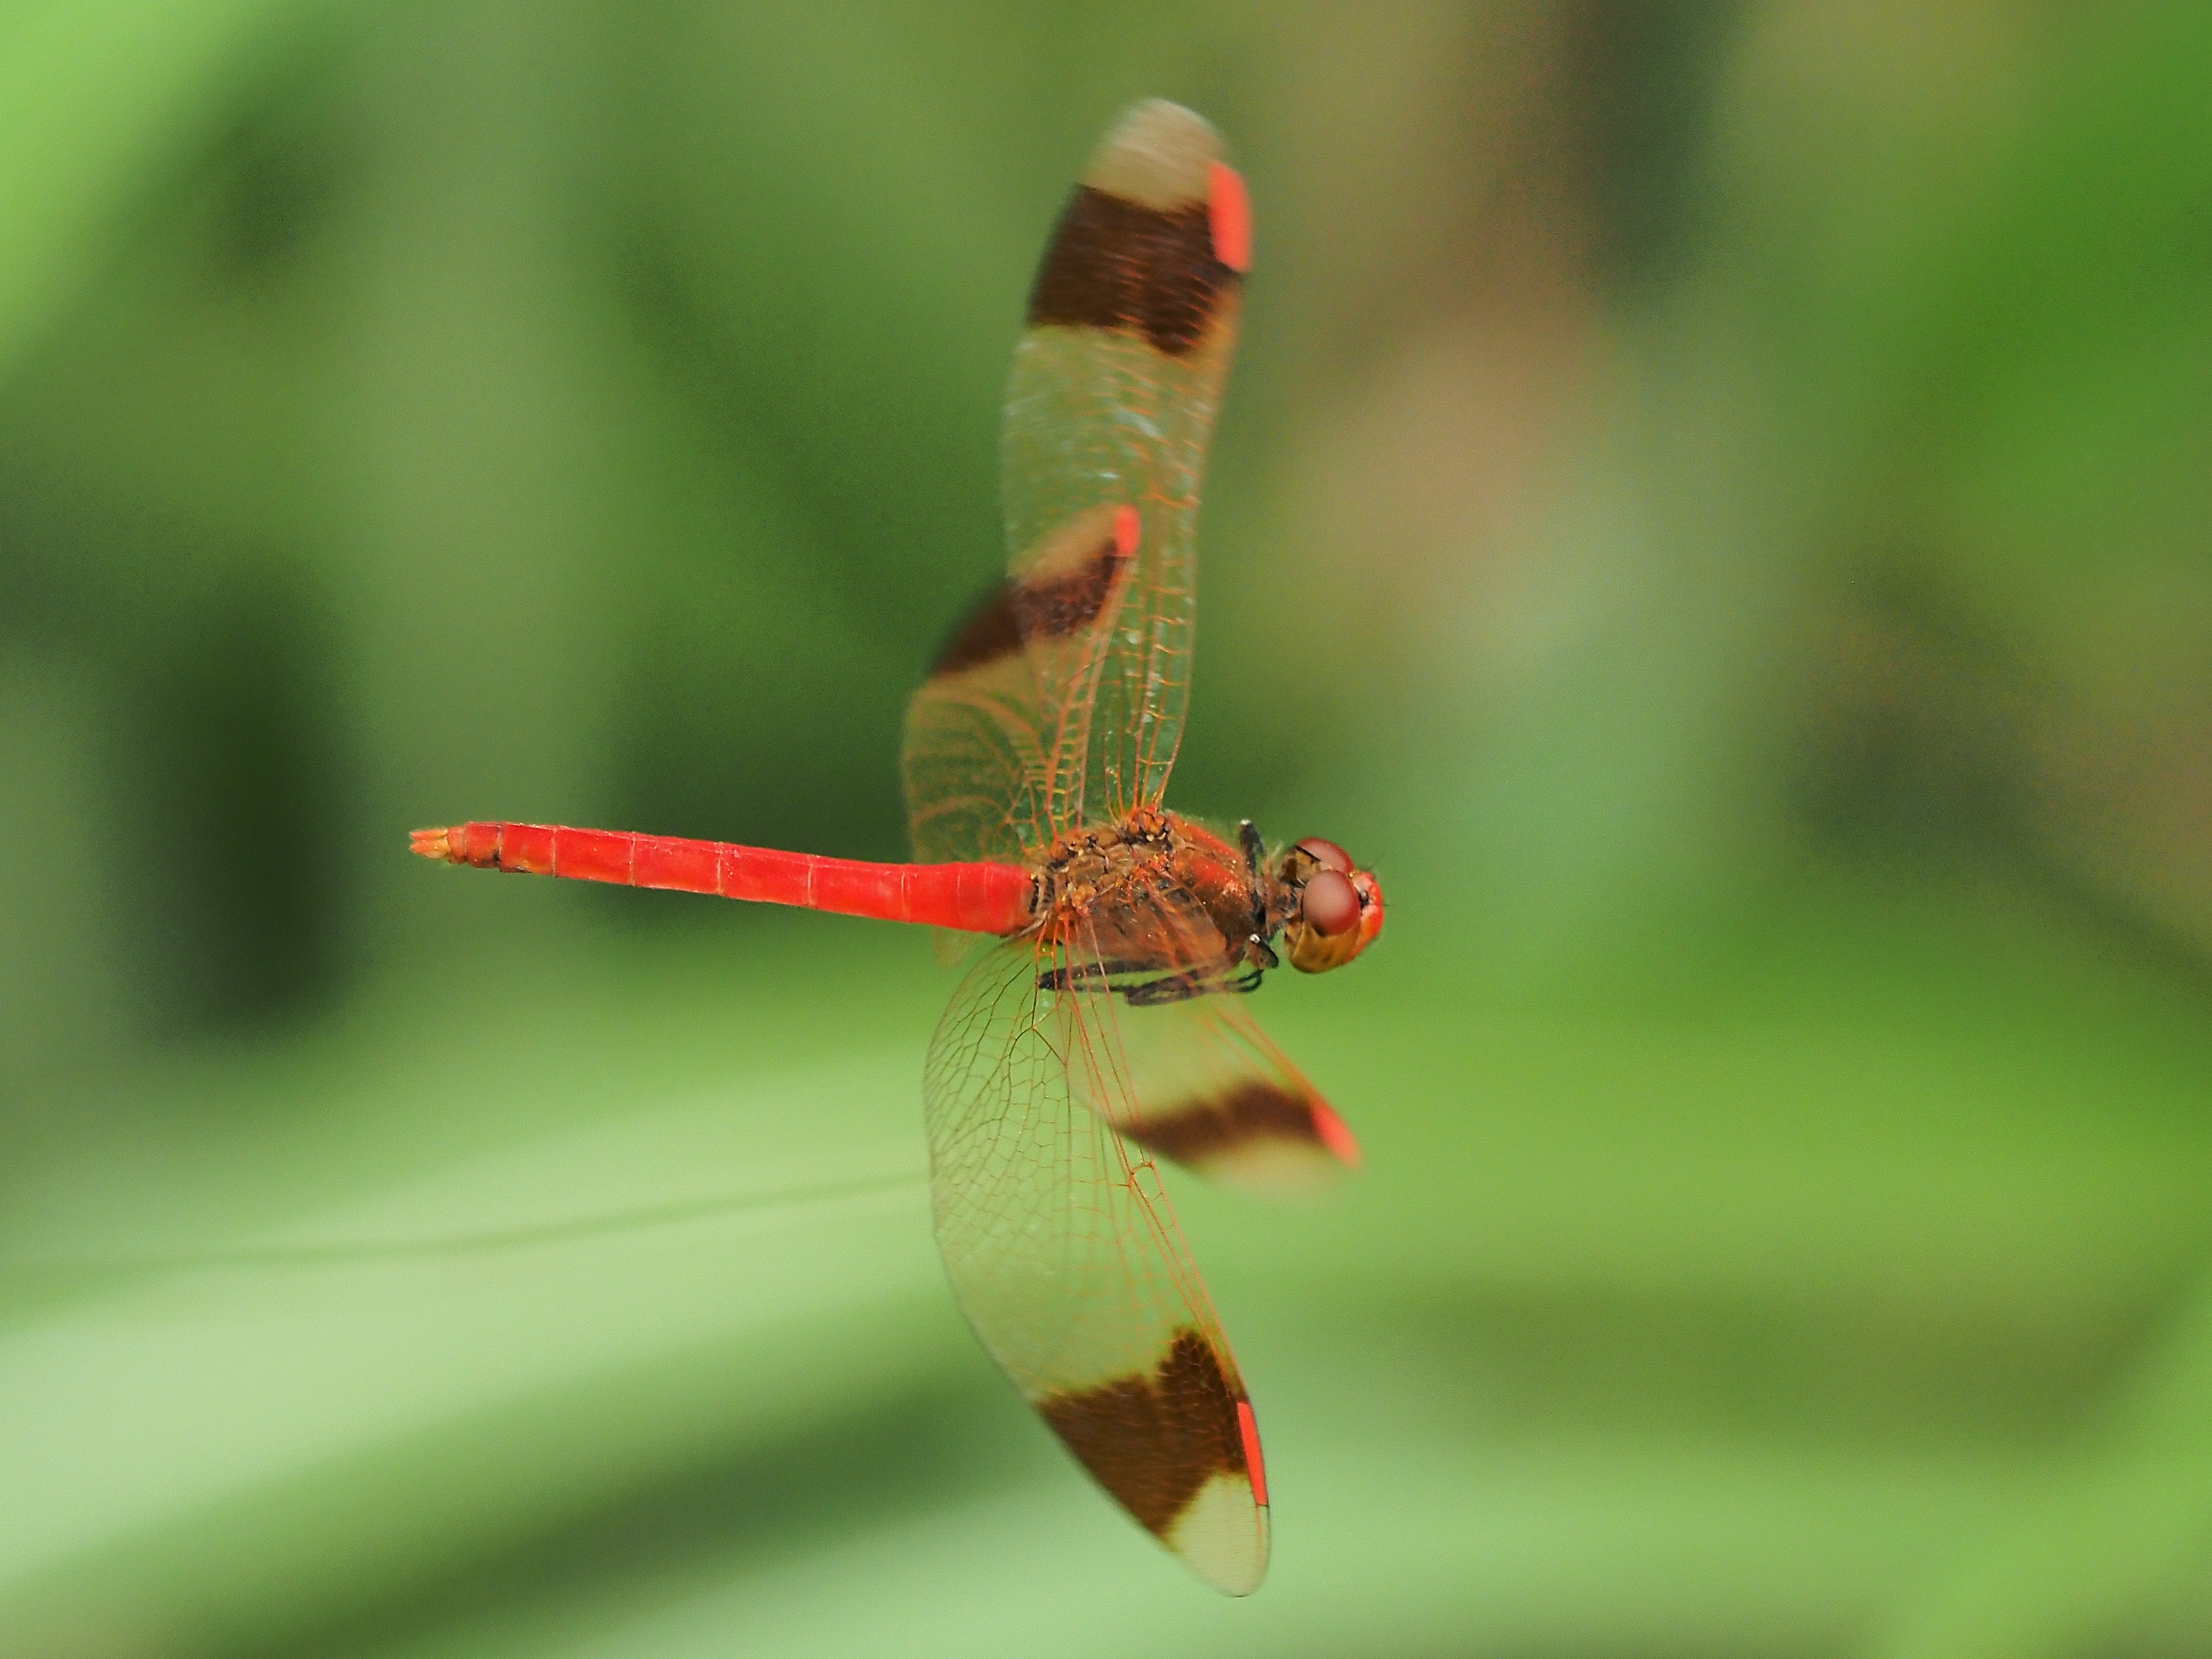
(1129, 978)
(1176, 987)
(1181, 987)
(1067, 979)
(1086, 973)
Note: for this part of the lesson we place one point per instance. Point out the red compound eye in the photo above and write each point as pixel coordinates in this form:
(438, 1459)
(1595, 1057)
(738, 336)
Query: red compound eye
(1328, 852)
(1331, 902)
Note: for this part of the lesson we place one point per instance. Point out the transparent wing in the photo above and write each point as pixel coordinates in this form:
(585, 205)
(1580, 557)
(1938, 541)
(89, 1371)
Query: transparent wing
(1062, 1252)
(1133, 323)
(1111, 406)
(1206, 1089)
(1009, 699)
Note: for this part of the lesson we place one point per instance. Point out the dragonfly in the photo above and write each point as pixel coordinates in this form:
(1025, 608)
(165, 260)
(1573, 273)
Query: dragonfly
(1104, 1026)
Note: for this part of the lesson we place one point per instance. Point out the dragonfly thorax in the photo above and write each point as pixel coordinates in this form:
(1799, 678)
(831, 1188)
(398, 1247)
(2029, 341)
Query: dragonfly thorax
(1168, 907)
(1086, 866)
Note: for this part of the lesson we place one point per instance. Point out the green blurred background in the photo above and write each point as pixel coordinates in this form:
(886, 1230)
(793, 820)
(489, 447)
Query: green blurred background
(1713, 507)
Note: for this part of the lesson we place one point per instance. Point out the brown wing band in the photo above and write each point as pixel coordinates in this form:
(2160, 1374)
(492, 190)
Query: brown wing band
(1041, 608)
(1116, 265)
(987, 635)
(1153, 1441)
(1190, 1132)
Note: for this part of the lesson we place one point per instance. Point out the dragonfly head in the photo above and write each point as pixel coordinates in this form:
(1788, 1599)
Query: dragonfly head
(1334, 910)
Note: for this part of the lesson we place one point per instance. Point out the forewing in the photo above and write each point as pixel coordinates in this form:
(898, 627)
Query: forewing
(1060, 703)
(1062, 1252)
(1010, 696)
(1206, 1089)
(1132, 324)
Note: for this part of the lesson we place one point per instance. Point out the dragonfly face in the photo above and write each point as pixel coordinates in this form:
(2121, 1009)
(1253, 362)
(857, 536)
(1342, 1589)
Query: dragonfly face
(1332, 911)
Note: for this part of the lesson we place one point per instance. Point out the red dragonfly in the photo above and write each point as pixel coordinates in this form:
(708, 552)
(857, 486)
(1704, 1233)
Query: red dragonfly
(1105, 1026)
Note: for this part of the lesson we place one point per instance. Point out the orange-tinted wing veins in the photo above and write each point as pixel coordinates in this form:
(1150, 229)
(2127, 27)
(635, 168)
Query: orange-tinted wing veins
(1131, 322)
(1065, 1256)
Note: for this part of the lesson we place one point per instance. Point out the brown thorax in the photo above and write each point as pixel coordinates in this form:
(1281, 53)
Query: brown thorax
(1087, 864)
(1325, 910)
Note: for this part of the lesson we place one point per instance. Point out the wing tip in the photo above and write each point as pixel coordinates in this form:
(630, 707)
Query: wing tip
(1222, 1536)
(1159, 155)
(1176, 1445)
(1335, 1134)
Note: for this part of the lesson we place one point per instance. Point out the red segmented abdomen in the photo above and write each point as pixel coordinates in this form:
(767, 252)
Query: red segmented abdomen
(973, 898)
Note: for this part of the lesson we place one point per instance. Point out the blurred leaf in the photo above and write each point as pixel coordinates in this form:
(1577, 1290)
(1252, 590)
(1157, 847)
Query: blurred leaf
(95, 98)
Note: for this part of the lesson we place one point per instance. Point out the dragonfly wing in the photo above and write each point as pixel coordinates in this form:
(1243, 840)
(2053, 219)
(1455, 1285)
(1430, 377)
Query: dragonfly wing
(1210, 1091)
(1132, 323)
(1010, 696)
(1065, 1256)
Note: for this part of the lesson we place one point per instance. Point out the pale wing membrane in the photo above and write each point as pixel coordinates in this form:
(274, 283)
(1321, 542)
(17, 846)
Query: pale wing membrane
(1204, 1087)
(1064, 1254)
(973, 766)
(1061, 704)
(1010, 695)
(1132, 322)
